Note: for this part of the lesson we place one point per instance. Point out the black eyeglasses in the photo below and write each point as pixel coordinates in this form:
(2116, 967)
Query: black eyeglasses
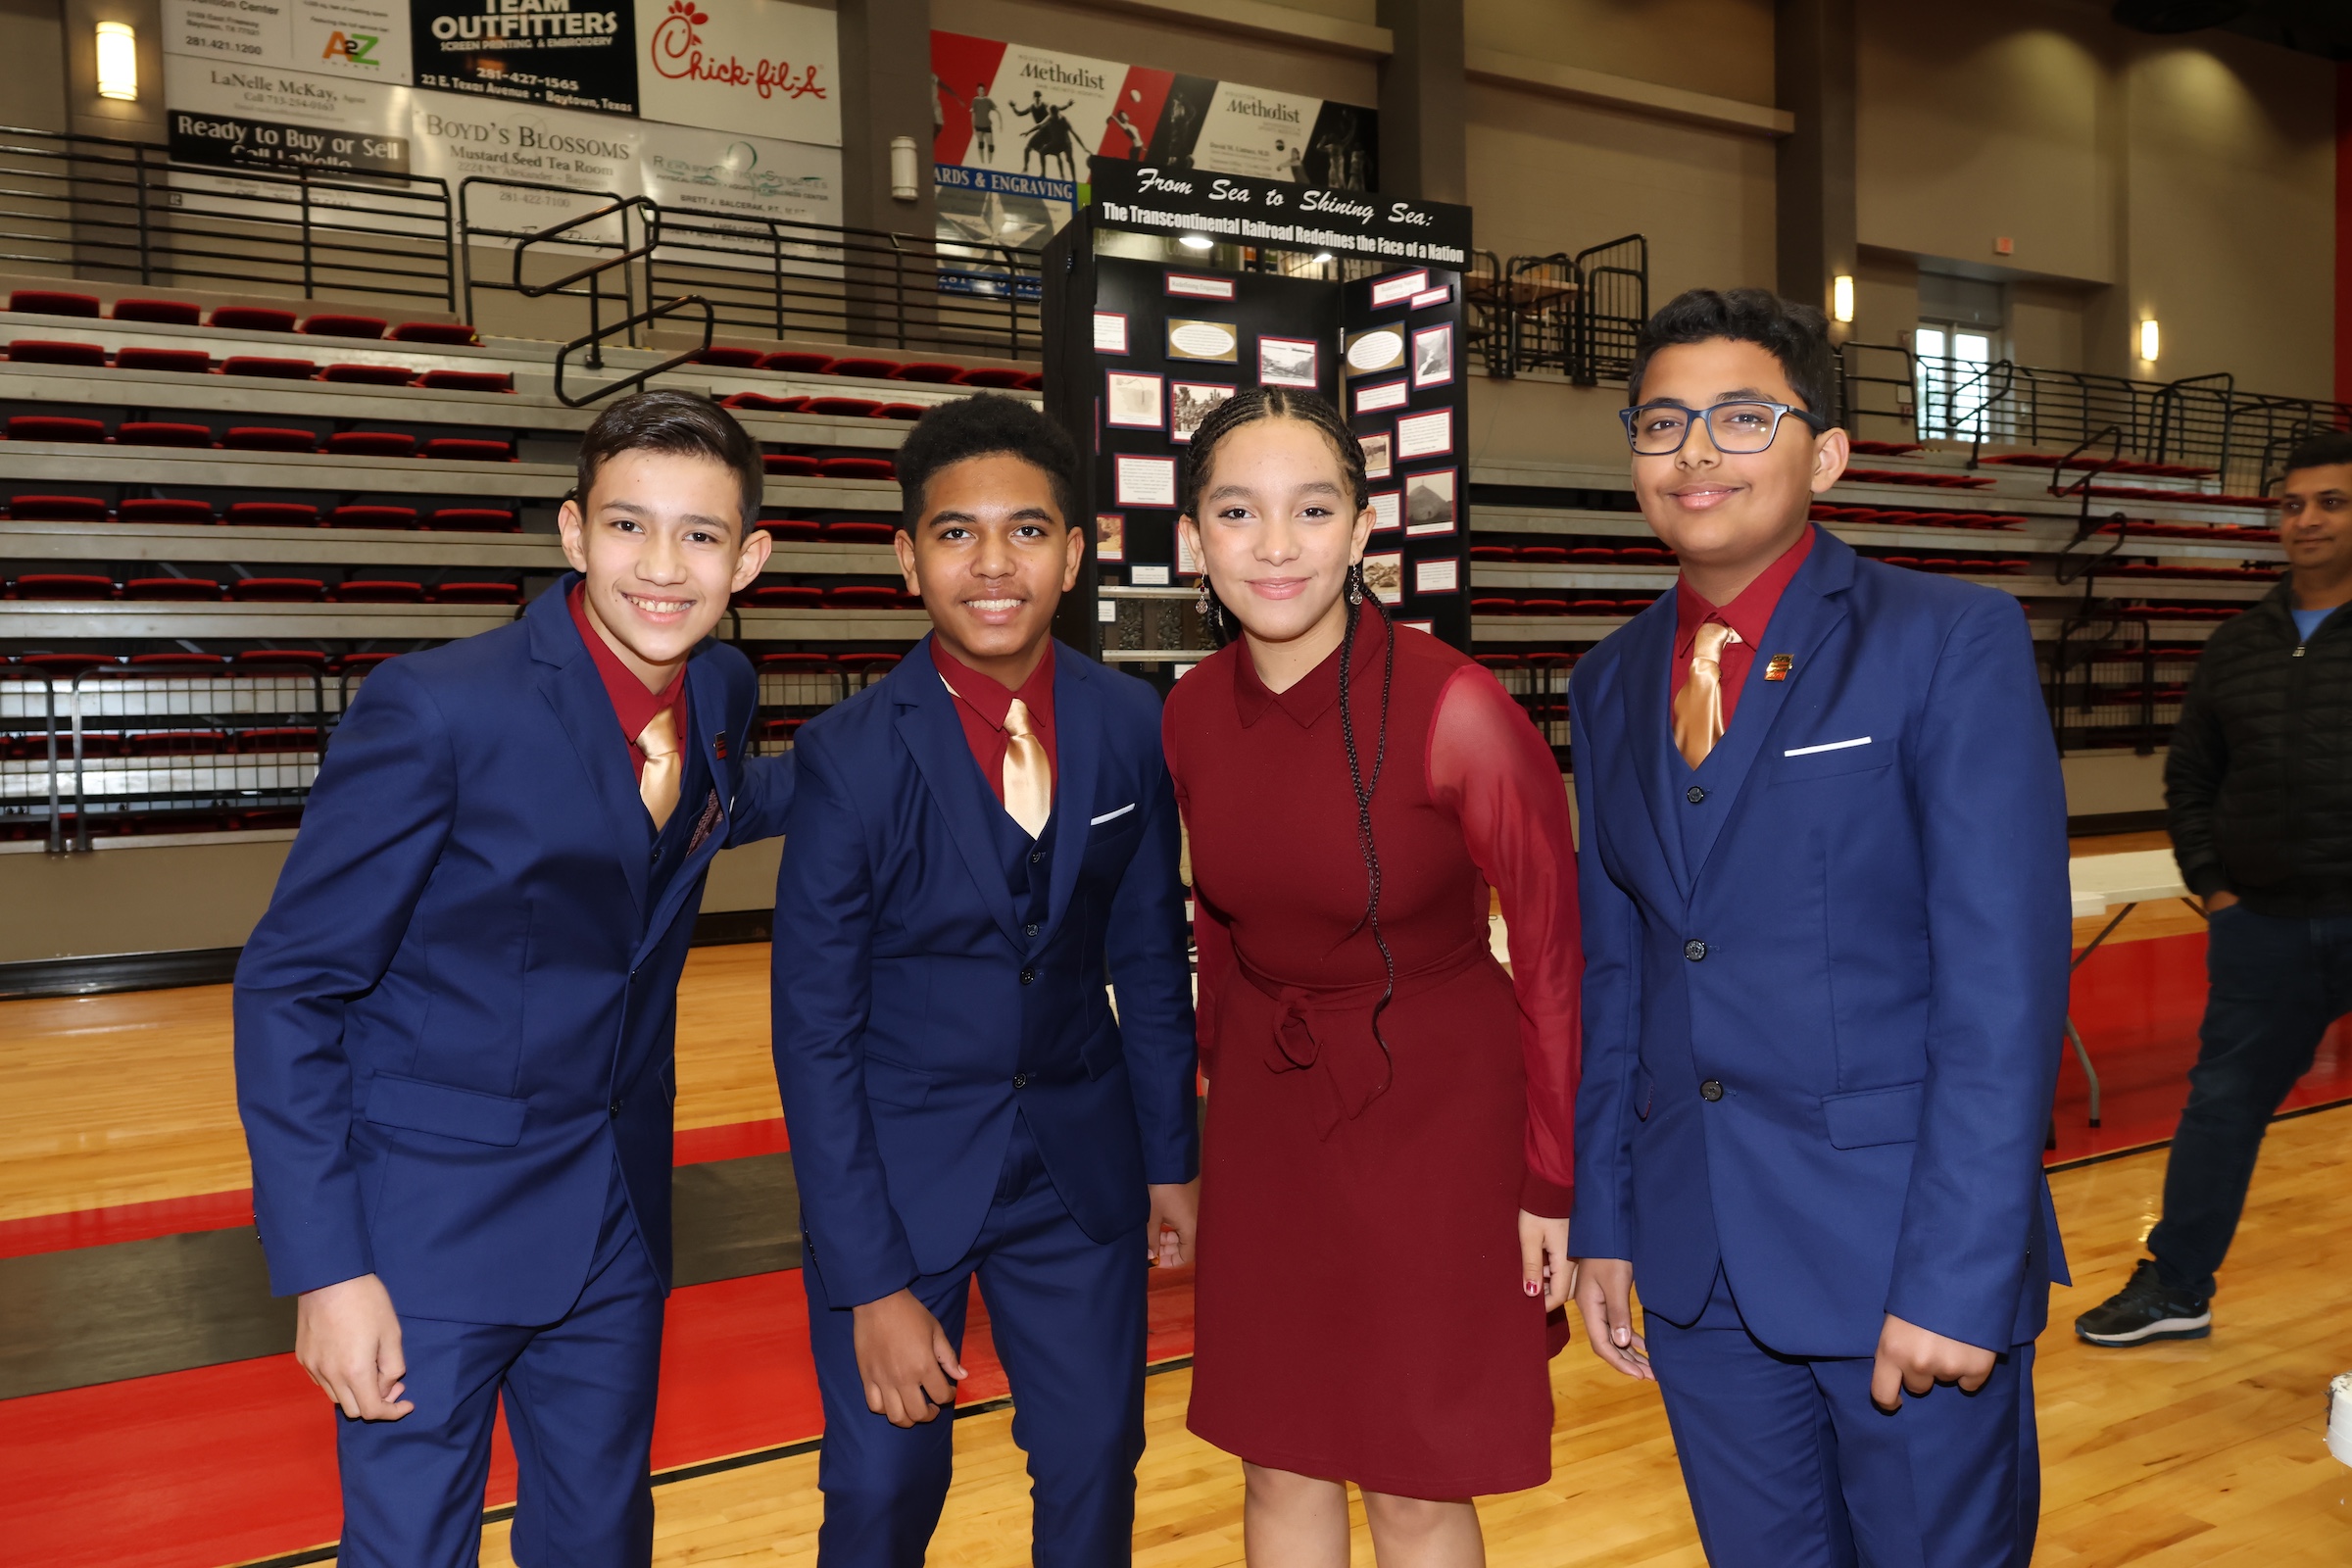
(1659, 430)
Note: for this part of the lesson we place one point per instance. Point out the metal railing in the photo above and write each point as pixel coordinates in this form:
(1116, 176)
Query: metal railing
(1573, 316)
(111, 209)
(763, 277)
(2199, 423)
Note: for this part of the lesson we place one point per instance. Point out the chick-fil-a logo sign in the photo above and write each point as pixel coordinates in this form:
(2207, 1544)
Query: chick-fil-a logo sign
(678, 52)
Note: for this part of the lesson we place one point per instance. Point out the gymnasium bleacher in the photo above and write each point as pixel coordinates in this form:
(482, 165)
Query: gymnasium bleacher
(218, 518)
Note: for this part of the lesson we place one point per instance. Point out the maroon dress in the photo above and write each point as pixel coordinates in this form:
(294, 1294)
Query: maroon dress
(1361, 1313)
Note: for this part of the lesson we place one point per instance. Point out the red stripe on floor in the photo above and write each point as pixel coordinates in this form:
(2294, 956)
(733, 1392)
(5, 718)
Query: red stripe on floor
(228, 1463)
(226, 1211)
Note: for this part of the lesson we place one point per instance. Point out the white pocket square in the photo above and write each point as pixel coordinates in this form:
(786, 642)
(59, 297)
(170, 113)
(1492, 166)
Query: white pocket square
(1826, 746)
(1109, 815)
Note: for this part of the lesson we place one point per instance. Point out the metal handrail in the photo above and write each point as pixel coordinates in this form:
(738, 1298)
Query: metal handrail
(592, 340)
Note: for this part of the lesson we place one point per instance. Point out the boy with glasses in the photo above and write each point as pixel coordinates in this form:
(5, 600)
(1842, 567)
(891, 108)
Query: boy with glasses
(1824, 910)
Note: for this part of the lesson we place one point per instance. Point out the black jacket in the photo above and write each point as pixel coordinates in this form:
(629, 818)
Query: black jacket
(2258, 790)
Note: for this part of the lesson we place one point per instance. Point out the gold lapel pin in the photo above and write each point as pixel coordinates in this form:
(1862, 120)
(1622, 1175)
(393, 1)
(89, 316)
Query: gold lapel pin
(1780, 667)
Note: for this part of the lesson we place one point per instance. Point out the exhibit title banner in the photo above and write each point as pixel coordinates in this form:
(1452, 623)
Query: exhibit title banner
(1279, 215)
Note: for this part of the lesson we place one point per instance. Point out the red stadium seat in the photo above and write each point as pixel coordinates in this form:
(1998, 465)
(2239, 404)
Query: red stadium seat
(455, 334)
(311, 657)
(761, 403)
(153, 509)
(857, 469)
(284, 737)
(728, 359)
(175, 742)
(931, 371)
(788, 464)
(1500, 661)
(869, 665)
(368, 375)
(1031, 382)
(464, 449)
(187, 588)
(182, 361)
(271, 514)
(843, 408)
(157, 433)
(859, 596)
(52, 301)
(63, 585)
(280, 590)
(52, 351)
(798, 361)
(793, 529)
(1493, 553)
(168, 313)
(777, 596)
(472, 520)
(858, 533)
(901, 410)
(54, 428)
(379, 592)
(66, 662)
(1544, 554)
(252, 318)
(57, 509)
(267, 438)
(467, 381)
(1643, 554)
(373, 516)
(1593, 607)
(363, 327)
(372, 444)
(872, 369)
(792, 664)
(263, 364)
(476, 592)
(1495, 606)
(994, 376)
(1593, 555)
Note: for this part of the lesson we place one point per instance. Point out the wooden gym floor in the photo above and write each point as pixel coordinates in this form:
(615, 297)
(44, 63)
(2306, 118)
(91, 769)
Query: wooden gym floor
(2200, 1453)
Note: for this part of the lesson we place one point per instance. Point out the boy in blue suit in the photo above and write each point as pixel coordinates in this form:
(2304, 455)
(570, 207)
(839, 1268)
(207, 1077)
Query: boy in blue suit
(978, 843)
(453, 1025)
(1826, 927)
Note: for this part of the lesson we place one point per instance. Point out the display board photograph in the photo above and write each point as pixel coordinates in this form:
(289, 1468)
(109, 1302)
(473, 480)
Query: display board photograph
(1014, 128)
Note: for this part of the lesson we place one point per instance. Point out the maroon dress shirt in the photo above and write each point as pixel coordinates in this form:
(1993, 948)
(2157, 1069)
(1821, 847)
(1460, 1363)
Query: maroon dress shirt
(1749, 614)
(633, 705)
(982, 703)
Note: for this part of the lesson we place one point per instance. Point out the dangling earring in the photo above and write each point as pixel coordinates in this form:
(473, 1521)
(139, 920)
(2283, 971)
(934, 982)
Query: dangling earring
(1355, 582)
(1202, 603)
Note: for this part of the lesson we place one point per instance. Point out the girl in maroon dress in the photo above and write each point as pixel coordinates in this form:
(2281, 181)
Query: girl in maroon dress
(1387, 1166)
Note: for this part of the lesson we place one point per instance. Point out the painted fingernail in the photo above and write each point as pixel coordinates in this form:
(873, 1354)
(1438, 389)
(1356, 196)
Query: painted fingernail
(1533, 1289)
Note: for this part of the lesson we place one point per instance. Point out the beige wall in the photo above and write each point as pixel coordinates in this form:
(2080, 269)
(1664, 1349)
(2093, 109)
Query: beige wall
(1721, 47)
(32, 64)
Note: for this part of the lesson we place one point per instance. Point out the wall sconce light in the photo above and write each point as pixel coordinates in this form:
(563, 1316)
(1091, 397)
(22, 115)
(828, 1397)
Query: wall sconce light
(1841, 297)
(902, 172)
(2149, 341)
(118, 62)
(1197, 242)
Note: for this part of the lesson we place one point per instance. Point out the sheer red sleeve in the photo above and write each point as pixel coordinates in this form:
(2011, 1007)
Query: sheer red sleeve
(1213, 944)
(1489, 767)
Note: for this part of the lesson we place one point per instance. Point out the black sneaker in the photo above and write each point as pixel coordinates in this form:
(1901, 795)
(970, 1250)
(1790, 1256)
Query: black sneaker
(2144, 1311)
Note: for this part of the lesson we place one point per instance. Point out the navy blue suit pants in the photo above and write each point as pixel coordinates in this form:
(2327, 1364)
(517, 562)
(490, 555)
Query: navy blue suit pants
(1067, 1314)
(579, 1397)
(1789, 1465)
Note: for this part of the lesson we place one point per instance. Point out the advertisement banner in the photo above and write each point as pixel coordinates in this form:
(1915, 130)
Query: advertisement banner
(550, 52)
(1015, 125)
(257, 117)
(364, 39)
(760, 67)
(1286, 216)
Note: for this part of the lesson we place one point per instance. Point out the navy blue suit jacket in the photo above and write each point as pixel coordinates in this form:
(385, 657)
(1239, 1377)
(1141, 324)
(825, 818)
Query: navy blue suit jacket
(1862, 938)
(916, 1010)
(462, 1001)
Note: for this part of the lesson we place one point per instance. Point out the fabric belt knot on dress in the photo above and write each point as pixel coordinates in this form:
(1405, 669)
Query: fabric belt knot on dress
(1326, 1030)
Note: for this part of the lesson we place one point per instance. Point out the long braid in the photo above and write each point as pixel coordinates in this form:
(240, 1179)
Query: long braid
(1359, 594)
(1247, 406)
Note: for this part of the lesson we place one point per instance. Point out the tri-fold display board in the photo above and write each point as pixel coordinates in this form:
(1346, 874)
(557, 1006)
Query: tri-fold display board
(1145, 335)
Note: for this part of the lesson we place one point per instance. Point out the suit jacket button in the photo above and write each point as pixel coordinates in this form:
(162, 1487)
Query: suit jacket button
(1036, 856)
(1028, 976)
(1711, 1090)
(1695, 950)
(1030, 929)
(1020, 1080)
(1695, 795)
(616, 1107)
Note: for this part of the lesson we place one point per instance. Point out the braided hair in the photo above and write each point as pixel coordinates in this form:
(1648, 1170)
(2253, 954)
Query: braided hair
(1247, 407)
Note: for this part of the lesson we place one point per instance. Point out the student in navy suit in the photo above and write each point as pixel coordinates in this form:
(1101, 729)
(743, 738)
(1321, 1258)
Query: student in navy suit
(1823, 872)
(453, 1025)
(978, 845)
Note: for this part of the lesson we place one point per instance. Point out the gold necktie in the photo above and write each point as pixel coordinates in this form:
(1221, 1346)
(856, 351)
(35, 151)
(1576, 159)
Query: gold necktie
(1699, 705)
(658, 784)
(1028, 776)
